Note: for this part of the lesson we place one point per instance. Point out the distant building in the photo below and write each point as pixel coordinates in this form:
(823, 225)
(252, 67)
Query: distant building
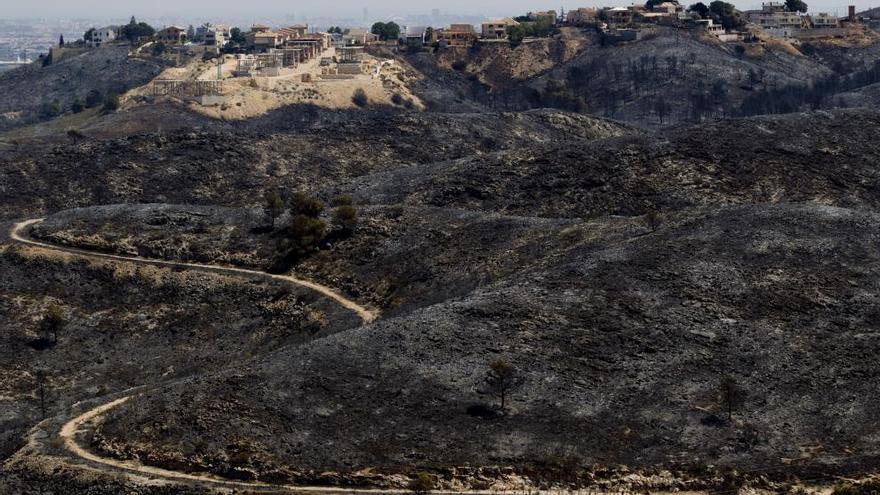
(582, 16)
(496, 29)
(773, 16)
(824, 20)
(216, 36)
(172, 35)
(548, 16)
(417, 35)
(103, 35)
(619, 16)
(457, 35)
(359, 37)
(262, 38)
(710, 26)
(668, 8)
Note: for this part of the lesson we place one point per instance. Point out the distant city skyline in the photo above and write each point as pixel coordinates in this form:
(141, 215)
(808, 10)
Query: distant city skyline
(338, 9)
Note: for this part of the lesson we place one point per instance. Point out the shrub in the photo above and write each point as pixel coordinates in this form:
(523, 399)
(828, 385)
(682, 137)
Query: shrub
(359, 98)
(653, 220)
(111, 103)
(345, 217)
(75, 135)
(845, 489)
(94, 98)
(159, 49)
(459, 65)
(397, 99)
(50, 110)
(77, 106)
(482, 411)
(303, 204)
(422, 483)
(342, 200)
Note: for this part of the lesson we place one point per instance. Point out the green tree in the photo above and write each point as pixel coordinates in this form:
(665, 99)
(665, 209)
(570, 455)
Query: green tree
(159, 49)
(135, 30)
(345, 217)
(502, 379)
(699, 8)
(386, 30)
(77, 106)
(273, 205)
(727, 14)
(303, 204)
(61, 40)
(191, 32)
(54, 321)
(237, 37)
(796, 6)
(304, 235)
(516, 34)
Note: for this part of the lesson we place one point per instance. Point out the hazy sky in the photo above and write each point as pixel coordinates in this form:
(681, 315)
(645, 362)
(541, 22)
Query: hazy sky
(332, 8)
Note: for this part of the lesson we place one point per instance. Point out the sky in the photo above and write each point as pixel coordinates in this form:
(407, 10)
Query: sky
(378, 9)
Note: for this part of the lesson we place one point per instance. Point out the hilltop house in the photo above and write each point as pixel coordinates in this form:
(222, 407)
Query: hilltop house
(457, 35)
(100, 36)
(417, 35)
(774, 17)
(496, 29)
(216, 36)
(548, 16)
(824, 20)
(709, 26)
(619, 16)
(359, 37)
(171, 35)
(262, 38)
(582, 17)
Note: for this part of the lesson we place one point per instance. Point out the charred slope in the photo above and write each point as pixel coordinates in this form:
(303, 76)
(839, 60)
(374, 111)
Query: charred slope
(623, 346)
(106, 70)
(233, 168)
(820, 156)
(129, 326)
(669, 76)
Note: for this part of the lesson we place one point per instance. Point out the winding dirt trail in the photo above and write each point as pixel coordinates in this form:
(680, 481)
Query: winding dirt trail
(70, 429)
(367, 315)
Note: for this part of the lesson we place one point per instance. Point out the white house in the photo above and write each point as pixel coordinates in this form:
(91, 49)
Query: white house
(103, 35)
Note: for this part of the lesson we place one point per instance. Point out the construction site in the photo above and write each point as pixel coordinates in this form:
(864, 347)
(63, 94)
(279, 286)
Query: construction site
(301, 71)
